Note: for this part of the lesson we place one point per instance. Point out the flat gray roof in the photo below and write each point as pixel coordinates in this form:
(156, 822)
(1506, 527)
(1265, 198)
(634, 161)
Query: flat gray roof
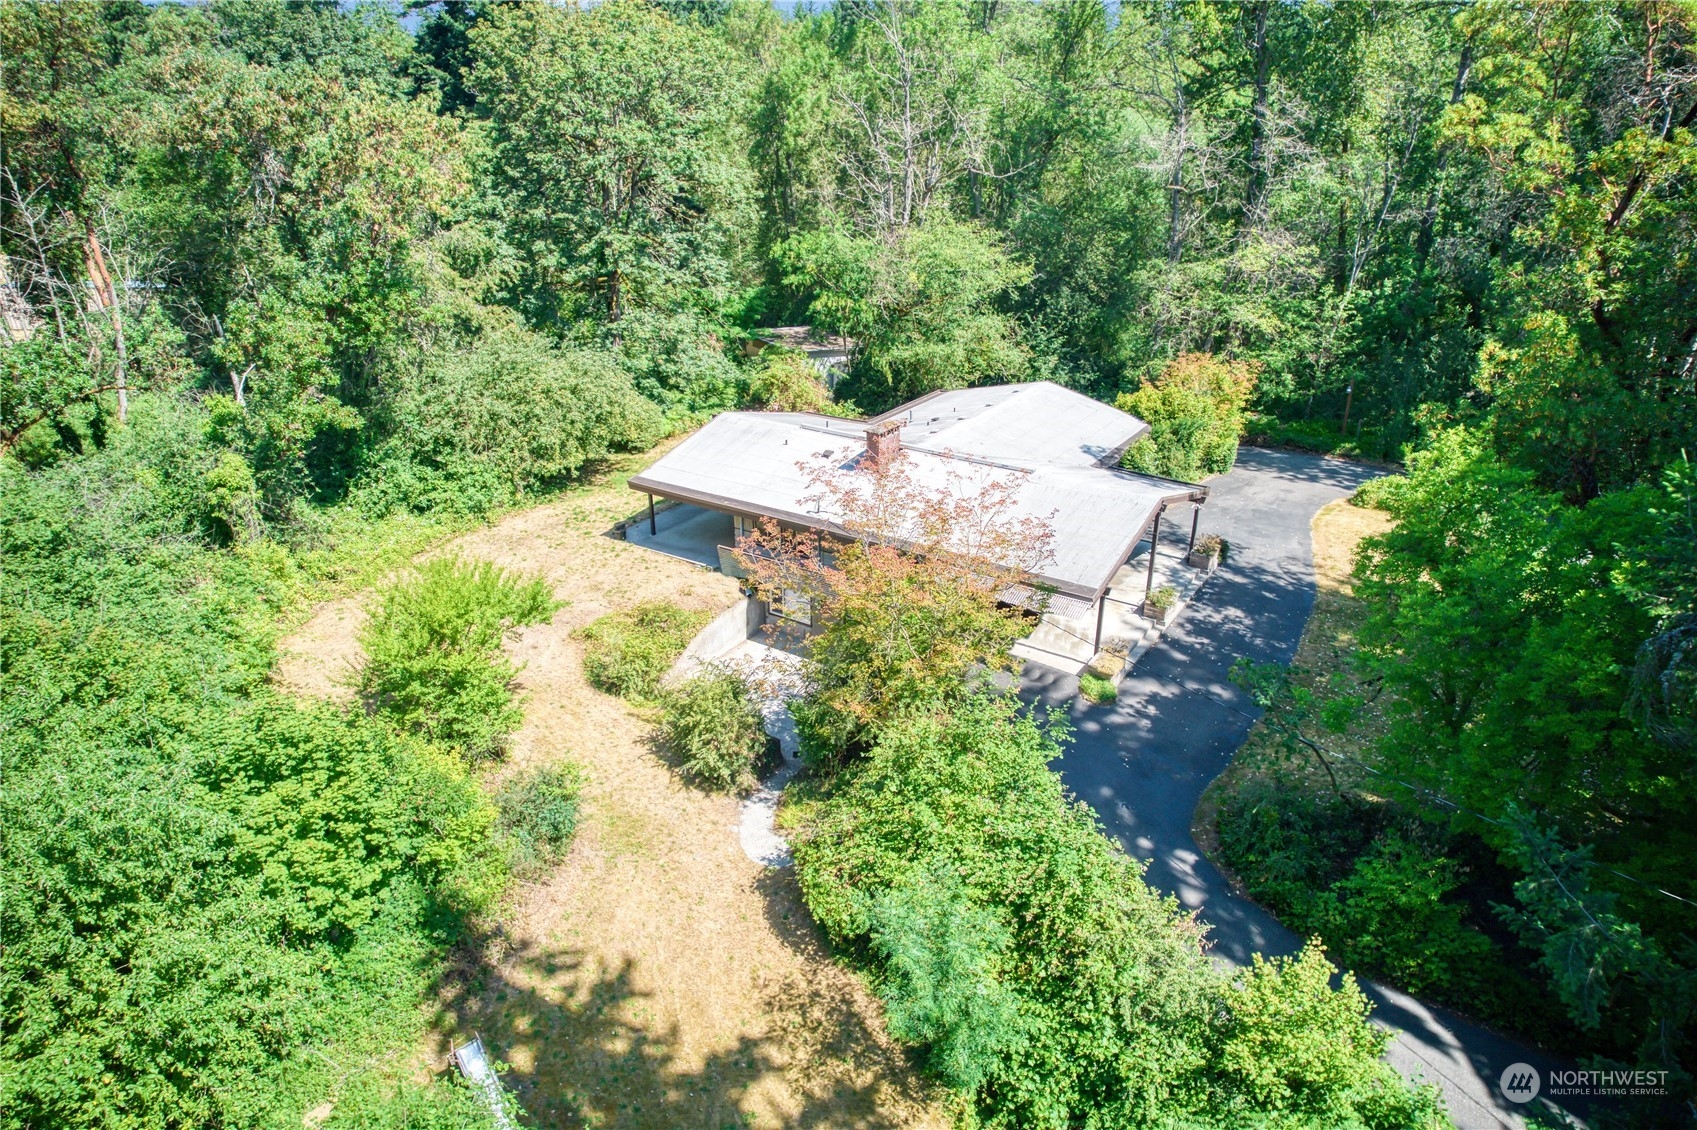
(1028, 425)
(802, 337)
(1048, 442)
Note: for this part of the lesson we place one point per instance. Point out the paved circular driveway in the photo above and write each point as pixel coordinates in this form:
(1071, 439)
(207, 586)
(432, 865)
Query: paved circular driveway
(1143, 761)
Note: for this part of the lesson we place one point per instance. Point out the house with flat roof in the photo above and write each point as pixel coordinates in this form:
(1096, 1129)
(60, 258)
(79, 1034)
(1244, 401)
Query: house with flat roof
(1059, 451)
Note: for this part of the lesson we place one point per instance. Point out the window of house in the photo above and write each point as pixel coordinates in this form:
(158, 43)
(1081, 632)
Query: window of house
(792, 605)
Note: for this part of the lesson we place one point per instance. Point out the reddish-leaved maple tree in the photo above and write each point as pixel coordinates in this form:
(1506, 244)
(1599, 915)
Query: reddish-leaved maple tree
(923, 583)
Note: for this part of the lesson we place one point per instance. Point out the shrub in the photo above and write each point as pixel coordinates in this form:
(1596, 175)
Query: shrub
(1380, 493)
(710, 722)
(538, 816)
(433, 663)
(232, 499)
(942, 958)
(626, 652)
(202, 879)
(444, 1103)
(1373, 883)
(1195, 412)
(1162, 598)
(1210, 544)
(1024, 953)
(1323, 438)
(1394, 910)
(1102, 974)
(676, 358)
(788, 382)
(1294, 1045)
(1096, 688)
(507, 417)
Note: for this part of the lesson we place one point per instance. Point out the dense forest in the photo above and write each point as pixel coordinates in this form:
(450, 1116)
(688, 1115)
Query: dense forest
(290, 289)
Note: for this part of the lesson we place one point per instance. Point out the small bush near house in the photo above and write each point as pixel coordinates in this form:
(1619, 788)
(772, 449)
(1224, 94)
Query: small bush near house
(1195, 412)
(433, 663)
(1162, 598)
(538, 817)
(711, 724)
(1096, 688)
(626, 652)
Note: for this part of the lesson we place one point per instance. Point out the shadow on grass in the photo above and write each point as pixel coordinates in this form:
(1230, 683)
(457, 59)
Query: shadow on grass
(585, 1047)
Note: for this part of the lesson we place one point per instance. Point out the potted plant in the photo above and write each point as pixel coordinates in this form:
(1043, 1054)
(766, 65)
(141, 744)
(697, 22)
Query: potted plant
(1159, 604)
(1205, 554)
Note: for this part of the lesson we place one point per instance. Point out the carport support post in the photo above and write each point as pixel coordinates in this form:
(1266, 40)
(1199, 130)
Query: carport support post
(652, 528)
(1195, 517)
(1101, 610)
(1154, 540)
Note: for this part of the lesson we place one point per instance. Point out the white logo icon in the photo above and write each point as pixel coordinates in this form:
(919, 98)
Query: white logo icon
(1520, 1082)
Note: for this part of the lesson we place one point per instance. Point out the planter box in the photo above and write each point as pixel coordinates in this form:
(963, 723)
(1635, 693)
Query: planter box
(1107, 664)
(1207, 562)
(1160, 616)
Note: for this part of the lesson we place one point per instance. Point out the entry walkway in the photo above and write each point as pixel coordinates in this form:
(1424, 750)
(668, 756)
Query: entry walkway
(1068, 644)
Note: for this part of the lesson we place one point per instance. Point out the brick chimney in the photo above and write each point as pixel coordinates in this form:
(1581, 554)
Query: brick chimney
(883, 442)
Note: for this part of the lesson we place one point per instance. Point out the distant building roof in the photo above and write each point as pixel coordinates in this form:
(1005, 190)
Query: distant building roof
(1057, 446)
(803, 338)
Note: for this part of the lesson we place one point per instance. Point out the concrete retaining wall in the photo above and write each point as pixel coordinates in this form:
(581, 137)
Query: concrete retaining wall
(731, 627)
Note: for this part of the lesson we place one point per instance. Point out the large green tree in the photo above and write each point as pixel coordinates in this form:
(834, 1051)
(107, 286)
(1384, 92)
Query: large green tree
(921, 305)
(609, 138)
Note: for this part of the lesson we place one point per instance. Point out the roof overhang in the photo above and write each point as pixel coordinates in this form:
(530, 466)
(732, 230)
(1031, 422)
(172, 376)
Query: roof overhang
(1190, 492)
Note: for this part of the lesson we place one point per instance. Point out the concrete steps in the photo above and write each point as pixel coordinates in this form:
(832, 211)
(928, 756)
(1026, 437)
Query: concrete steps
(1067, 645)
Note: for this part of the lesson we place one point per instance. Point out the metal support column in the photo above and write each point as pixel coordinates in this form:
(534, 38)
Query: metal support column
(1195, 517)
(1101, 610)
(653, 529)
(1154, 540)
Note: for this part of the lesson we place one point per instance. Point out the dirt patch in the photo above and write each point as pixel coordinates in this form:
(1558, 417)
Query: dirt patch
(658, 978)
(1328, 640)
(321, 659)
(1338, 528)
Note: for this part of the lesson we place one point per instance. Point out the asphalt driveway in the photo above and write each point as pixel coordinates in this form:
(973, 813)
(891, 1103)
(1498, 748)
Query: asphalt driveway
(1143, 762)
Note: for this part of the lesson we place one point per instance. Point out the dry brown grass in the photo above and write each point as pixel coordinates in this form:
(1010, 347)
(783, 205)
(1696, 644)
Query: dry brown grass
(1338, 528)
(1322, 658)
(658, 977)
